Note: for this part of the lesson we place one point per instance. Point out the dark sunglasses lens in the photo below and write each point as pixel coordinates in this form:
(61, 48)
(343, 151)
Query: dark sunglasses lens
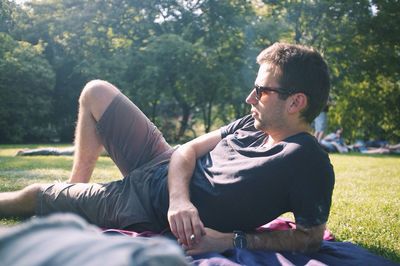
(258, 92)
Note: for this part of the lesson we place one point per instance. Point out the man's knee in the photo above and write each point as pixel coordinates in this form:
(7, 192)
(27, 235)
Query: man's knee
(30, 192)
(21, 203)
(97, 89)
(96, 96)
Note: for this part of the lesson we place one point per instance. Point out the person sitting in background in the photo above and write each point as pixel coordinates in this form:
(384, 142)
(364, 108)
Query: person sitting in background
(334, 142)
(321, 122)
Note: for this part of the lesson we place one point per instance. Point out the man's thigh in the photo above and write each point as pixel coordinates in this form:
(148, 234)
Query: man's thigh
(129, 137)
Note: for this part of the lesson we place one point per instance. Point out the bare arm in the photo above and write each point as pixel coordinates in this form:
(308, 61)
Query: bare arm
(183, 216)
(300, 239)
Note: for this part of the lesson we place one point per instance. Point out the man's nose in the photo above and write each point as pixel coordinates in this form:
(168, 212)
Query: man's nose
(251, 98)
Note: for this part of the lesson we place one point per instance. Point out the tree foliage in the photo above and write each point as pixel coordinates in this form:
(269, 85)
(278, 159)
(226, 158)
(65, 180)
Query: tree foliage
(169, 67)
(26, 85)
(362, 51)
(190, 64)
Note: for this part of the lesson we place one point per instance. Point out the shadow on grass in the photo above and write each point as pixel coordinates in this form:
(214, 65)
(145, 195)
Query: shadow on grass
(391, 255)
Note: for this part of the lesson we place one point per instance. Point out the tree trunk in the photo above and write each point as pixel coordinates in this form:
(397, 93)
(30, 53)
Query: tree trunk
(184, 121)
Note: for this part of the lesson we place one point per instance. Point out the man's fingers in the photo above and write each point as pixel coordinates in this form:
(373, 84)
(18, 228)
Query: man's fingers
(195, 230)
(198, 229)
(188, 231)
(182, 229)
(176, 225)
(181, 232)
(190, 252)
(180, 242)
(172, 226)
(185, 224)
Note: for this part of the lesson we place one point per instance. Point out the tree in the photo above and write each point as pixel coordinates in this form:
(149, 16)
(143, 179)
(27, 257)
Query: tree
(122, 41)
(83, 40)
(218, 29)
(26, 83)
(169, 68)
(6, 20)
(373, 101)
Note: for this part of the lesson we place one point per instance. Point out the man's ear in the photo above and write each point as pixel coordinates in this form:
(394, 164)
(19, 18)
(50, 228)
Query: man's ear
(297, 102)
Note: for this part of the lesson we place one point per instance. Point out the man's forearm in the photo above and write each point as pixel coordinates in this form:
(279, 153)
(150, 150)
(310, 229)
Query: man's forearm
(300, 240)
(183, 216)
(180, 171)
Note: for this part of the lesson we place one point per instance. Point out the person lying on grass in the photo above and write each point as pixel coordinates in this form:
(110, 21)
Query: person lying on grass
(214, 191)
(50, 151)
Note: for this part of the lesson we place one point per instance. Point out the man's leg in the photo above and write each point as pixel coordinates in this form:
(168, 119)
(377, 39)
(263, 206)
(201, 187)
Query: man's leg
(20, 203)
(94, 100)
(108, 118)
(319, 135)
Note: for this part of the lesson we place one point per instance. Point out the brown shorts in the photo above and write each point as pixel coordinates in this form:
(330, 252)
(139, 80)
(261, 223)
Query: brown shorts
(134, 144)
(129, 137)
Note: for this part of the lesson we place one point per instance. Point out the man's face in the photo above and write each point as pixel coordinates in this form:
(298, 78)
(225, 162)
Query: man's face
(269, 111)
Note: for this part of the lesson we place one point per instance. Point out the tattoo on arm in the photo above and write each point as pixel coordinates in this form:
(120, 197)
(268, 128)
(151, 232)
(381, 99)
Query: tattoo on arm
(300, 239)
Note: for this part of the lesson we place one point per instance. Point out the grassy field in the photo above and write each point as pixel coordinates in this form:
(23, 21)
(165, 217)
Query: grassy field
(366, 199)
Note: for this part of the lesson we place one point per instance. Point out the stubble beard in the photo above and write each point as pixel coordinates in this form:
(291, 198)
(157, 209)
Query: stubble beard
(261, 125)
(272, 122)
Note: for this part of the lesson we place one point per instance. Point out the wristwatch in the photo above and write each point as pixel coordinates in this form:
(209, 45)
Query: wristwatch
(239, 239)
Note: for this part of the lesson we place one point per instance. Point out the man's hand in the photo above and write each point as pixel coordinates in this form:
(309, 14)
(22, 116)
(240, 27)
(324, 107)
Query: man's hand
(185, 222)
(212, 241)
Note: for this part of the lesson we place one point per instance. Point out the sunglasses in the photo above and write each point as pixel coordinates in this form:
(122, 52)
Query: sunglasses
(260, 89)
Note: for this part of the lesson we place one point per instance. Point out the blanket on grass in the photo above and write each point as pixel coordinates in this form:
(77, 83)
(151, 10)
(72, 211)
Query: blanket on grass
(331, 252)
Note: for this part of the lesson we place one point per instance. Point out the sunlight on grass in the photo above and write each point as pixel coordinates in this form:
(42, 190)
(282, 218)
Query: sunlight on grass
(365, 205)
(37, 175)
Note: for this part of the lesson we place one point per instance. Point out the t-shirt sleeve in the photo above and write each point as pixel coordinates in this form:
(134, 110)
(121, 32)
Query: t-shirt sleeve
(311, 193)
(235, 125)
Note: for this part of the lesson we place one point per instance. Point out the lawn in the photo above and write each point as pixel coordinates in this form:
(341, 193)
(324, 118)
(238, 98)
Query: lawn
(365, 208)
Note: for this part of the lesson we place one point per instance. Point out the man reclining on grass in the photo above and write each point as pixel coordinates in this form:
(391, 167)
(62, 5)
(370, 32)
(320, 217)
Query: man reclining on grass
(213, 191)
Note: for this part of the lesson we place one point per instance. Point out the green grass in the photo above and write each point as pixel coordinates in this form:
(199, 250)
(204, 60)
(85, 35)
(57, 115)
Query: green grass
(366, 202)
(365, 206)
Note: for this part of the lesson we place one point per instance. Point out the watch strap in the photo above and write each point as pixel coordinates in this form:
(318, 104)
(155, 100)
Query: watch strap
(239, 239)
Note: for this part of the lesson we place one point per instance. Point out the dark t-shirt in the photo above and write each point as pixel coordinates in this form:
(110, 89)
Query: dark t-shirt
(241, 185)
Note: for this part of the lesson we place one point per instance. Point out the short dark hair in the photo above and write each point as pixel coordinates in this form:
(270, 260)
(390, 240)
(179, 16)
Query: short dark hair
(300, 69)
